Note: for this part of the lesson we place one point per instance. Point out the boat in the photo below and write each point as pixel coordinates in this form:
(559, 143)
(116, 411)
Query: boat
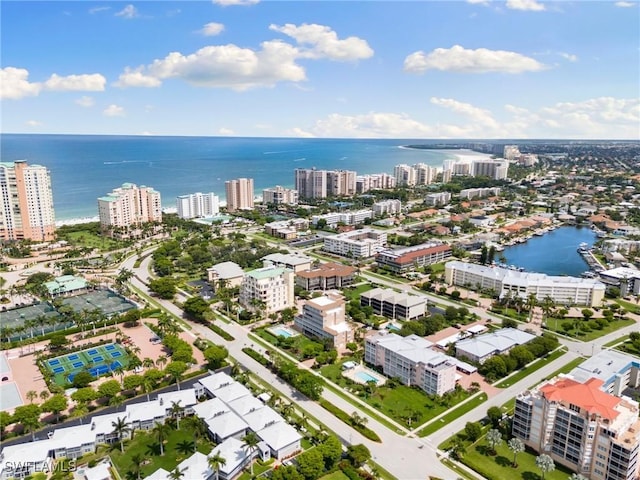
(583, 248)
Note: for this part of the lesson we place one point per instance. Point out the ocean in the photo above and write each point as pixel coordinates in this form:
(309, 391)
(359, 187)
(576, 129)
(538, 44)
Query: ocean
(85, 167)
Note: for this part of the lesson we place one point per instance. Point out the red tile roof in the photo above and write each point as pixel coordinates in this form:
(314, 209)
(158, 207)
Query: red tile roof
(587, 396)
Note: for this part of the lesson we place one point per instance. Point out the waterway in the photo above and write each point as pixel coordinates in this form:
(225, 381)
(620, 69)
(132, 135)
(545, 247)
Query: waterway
(554, 253)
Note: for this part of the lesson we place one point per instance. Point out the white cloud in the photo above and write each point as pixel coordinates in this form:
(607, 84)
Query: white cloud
(603, 117)
(227, 66)
(324, 42)
(14, 84)
(479, 2)
(569, 56)
(33, 123)
(299, 132)
(86, 102)
(530, 5)
(128, 12)
(227, 132)
(227, 3)
(95, 10)
(114, 111)
(462, 60)
(136, 78)
(88, 82)
(212, 29)
(626, 4)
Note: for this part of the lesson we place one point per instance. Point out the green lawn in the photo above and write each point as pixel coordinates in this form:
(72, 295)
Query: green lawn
(630, 307)
(629, 347)
(498, 467)
(297, 343)
(337, 475)
(622, 339)
(91, 240)
(567, 368)
(354, 292)
(399, 401)
(528, 370)
(453, 414)
(146, 445)
(614, 325)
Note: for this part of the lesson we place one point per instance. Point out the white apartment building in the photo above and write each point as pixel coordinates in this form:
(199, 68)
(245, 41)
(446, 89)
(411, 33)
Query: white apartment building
(287, 229)
(494, 169)
(581, 427)
(324, 317)
(310, 183)
(425, 174)
(279, 196)
(387, 207)
(297, 262)
(198, 205)
(26, 202)
(511, 152)
(354, 217)
(362, 243)
(471, 193)
(505, 281)
(267, 289)
(482, 347)
(129, 206)
(411, 360)
(376, 181)
(437, 199)
(239, 194)
(407, 259)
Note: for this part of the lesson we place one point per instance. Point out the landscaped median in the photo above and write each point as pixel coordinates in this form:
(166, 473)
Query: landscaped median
(355, 420)
(532, 367)
(465, 407)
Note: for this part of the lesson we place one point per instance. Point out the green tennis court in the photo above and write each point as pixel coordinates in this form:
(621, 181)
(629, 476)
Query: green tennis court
(98, 361)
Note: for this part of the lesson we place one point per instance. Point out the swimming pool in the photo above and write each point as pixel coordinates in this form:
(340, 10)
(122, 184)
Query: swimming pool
(365, 377)
(282, 332)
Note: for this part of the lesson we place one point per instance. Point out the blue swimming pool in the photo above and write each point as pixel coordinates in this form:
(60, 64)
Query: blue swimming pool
(282, 332)
(365, 377)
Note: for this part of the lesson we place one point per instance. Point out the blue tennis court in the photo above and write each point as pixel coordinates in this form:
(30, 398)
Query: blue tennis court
(115, 354)
(115, 365)
(92, 352)
(54, 362)
(97, 359)
(58, 370)
(78, 365)
(110, 347)
(73, 356)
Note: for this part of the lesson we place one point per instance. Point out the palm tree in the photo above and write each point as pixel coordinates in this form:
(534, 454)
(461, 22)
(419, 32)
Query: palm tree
(161, 361)
(545, 463)
(44, 395)
(532, 301)
(176, 412)
(250, 441)
(216, 461)
(32, 395)
(121, 427)
(184, 446)
(494, 438)
(196, 425)
(147, 387)
(516, 446)
(286, 409)
(148, 363)
(161, 431)
(136, 464)
(176, 473)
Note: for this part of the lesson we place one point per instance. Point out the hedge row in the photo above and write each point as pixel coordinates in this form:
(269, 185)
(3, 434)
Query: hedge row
(344, 416)
(223, 333)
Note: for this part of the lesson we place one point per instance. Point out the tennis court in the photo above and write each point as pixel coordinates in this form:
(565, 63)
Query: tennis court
(16, 318)
(97, 361)
(108, 302)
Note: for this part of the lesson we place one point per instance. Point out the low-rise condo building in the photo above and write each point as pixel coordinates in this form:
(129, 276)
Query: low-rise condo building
(395, 305)
(362, 243)
(481, 347)
(387, 207)
(324, 317)
(293, 261)
(403, 260)
(354, 217)
(437, 199)
(506, 281)
(225, 274)
(327, 276)
(581, 427)
(618, 371)
(287, 229)
(267, 290)
(412, 361)
(127, 207)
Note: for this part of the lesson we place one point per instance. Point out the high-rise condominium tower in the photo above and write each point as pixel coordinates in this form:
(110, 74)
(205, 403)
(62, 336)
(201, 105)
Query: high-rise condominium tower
(26, 202)
(239, 194)
(129, 206)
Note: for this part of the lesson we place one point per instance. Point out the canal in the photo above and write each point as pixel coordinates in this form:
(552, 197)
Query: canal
(554, 253)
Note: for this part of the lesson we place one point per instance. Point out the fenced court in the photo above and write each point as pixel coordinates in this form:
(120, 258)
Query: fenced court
(15, 319)
(108, 302)
(97, 361)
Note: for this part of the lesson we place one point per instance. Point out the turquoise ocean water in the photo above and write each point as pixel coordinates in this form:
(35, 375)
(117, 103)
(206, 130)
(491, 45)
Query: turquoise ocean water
(85, 167)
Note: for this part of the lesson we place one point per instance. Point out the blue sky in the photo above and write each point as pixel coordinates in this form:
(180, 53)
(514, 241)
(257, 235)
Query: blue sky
(381, 69)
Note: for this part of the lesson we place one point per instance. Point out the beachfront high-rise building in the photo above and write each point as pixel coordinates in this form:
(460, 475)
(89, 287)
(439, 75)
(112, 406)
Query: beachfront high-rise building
(581, 427)
(239, 194)
(376, 181)
(129, 206)
(494, 169)
(418, 174)
(425, 175)
(26, 202)
(312, 183)
(341, 183)
(279, 196)
(198, 205)
(405, 175)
